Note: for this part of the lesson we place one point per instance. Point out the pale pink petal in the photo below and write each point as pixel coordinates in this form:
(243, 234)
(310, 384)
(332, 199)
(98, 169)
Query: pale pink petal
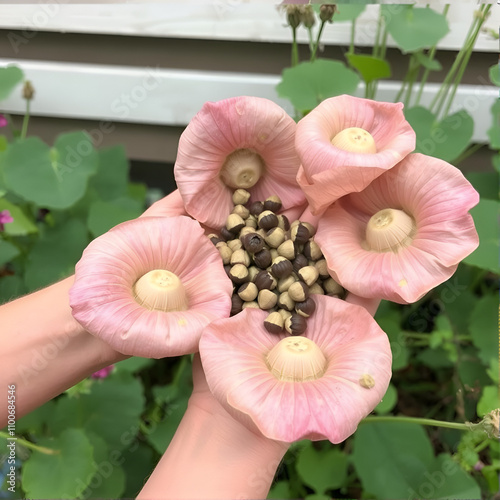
(102, 299)
(233, 353)
(328, 172)
(170, 206)
(437, 196)
(218, 130)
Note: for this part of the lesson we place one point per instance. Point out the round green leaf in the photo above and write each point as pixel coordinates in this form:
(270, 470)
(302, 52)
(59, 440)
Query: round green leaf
(348, 12)
(11, 287)
(483, 324)
(103, 215)
(280, 490)
(489, 400)
(8, 251)
(63, 475)
(134, 364)
(111, 178)
(427, 62)
(50, 177)
(414, 28)
(21, 225)
(370, 68)
(10, 76)
(309, 83)
(388, 401)
(495, 74)
(494, 130)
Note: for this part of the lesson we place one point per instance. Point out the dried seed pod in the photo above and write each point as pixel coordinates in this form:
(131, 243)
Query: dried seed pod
(305, 308)
(265, 280)
(308, 274)
(273, 203)
(251, 221)
(312, 250)
(252, 273)
(241, 197)
(284, 283)
(241, 211)
(225, 234)
(296, 324)
(283, 222)
(299, 234)
(252, 304)
(322, 268)
(299, 262)
(299, 291)
(256, 208)
(275, 237)
(225, 253)
(248, 291)
(316, 289)
(274, 323)
(267, 299)
(239, 274)
(253, 242)
(332, 287)
(234, 223)
(281, 267)
(267, 220)
(263, 258)
(286, 302)
(240, 257)
(236, 305)
(287, 250)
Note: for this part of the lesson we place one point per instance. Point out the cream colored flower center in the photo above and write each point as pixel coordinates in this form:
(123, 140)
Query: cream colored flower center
(242, 169)
(355, 140)
(389, 230)
(160, 290)
(296, 359)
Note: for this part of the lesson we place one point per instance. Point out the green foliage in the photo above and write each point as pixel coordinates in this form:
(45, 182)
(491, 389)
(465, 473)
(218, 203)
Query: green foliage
(495, 74)
(414, 28)
(494, 130)
(388, 401)
(309, 83)
(348, 12)
(427, 62)
(103, 215)
(8, 251)
(483, 325)
(370, 68)
(485, 183)
(10, 77)
(489, 400)
(22, 224)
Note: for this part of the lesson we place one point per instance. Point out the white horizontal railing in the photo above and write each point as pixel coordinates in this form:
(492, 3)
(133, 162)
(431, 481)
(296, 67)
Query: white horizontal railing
(172, 97)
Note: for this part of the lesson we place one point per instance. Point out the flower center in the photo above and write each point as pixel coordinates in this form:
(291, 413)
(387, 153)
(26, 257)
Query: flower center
(389, 230)
(242, 169)
(160, 290)
(355, 140)
(296, 359)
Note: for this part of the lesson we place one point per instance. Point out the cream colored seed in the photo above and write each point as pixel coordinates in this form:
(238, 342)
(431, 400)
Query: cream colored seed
(332, 287)
(234, 245)
(241, 211)
(316, 289)
(274, 253)
(275, 237)
(310, 227)
(309, 274)
(366, 381)
(251, 221)
(240, 257)
(225, 253)
(284, 314)
(286, 302)
(284, 283)
(246, 230)
(252, 272)
(287, 250)
(234, 220)
(322, 268)
(249, 292)
(315, 251)
(253, 304)
(267, 299)
(241, 196)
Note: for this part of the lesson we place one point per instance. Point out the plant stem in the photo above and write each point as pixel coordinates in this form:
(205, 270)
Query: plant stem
(412, 76)
(422, 421)
(468, 152)
(318, 38)
(31, 446)
(295, 49)
(311, 43)
(26, 120)
(482, 446)
(353, 33)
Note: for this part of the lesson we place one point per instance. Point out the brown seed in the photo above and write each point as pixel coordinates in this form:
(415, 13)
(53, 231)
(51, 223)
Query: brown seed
(256, 208)
(286, 302)
(312, 250)
(246, 230)
(299, 262)
(296, 324)
(322, 268)
(274, 323)
(252, 273)
(305, 308)
(214, 239)
(299, 234)
(241, 197)
(310, 228)
(287, 249)
(241, 211)
(299, 291)
(275, 237)
(308, 274)
(227, 268)
(239, 274)
(267, 299)
(263, 258)
(283, 222)
(240, 257)
(265, 280)
(267, 220)
(284, 283)
(236, 305)
(332, 287)
(253, 242)
(225, 234)
(234, 223)
(248, 291)
(273, 203)
(281, 267)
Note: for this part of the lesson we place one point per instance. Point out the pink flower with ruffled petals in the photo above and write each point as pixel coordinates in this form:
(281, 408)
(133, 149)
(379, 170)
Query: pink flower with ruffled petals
(314, 387)
(103, 372)
(404, 234)
(345, 143)
(149, 286)
(242, 142)
(5, 218)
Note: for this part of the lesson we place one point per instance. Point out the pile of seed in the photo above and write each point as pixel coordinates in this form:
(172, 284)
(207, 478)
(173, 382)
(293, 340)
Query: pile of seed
(275, 265)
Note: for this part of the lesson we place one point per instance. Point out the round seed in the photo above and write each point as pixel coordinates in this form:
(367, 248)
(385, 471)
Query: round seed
(265, 280)
(287, 250)
(252, 273)
(267, 220)
(234, 244)
(286, 302)
(300, 234)
(305, 308)
(225, 234)
(275, 237)
(248, 291)
(240, 257)
(274, 323)
(236, 305)
(316, 289)
(263, 258)
(296, 324)
(267, 299)
(281, 267)
(283, 222)
(299, 262)
(299, 291)
(322, 268)
(251, 221)
(241, 197)
(273, 203)
(253, 242)
(242, 211)
(239, 274)
(225, 253)
(308, 274)
(234, 223)
(252, 304)
(256, 208)
(284, 283)
(332, 287)
(312, 250)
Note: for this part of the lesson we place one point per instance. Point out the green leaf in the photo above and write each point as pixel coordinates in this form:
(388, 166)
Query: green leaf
(446, 139)
(134, 364)
(55, 254)
(35, 421)
(22, 225)
(388, 401)
(435, 358)
(280, 489)
(138, 462)
(10, 77)
(8, 251)
(63, 475)
(370, 68)
(472, 374)
(414, 28)
(112, 410)
(309, 83)
(400, 353)
(111, 179)
(485, 183)
(483, 325)
(489, 400)
(138, 192)
(485, 215)
(496, 163)
(103, 215)
(11, 287)
(495, 74)
(322, 469)
(3, 143)
(427, 62)
(51, 177)
(494, 130)
(348, 12)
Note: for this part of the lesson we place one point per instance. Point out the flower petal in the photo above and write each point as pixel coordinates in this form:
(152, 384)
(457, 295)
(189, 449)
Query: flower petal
(169, 206)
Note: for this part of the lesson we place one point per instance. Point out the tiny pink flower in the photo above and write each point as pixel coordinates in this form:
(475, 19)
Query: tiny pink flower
(103, 372)
(317, 386)
(345, 143)
(149, 286)
(5, 218)
(3, 121)
(404, 234)
(242, 142)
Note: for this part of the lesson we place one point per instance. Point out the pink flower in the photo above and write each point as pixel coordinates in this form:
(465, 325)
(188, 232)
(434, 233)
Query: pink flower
(3, 121)
(345, 143)
(404, 234)
(149, 286)
(242, 142)
(293, 387)
(103, 372)
(5, 218)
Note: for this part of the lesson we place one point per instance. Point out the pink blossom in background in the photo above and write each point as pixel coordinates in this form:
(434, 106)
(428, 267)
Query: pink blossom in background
(103, 372)
(329, 172)
(5, 218)
(245, 142)
(352, 371)
(431, 233)
(3, 121)
(171, 256)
